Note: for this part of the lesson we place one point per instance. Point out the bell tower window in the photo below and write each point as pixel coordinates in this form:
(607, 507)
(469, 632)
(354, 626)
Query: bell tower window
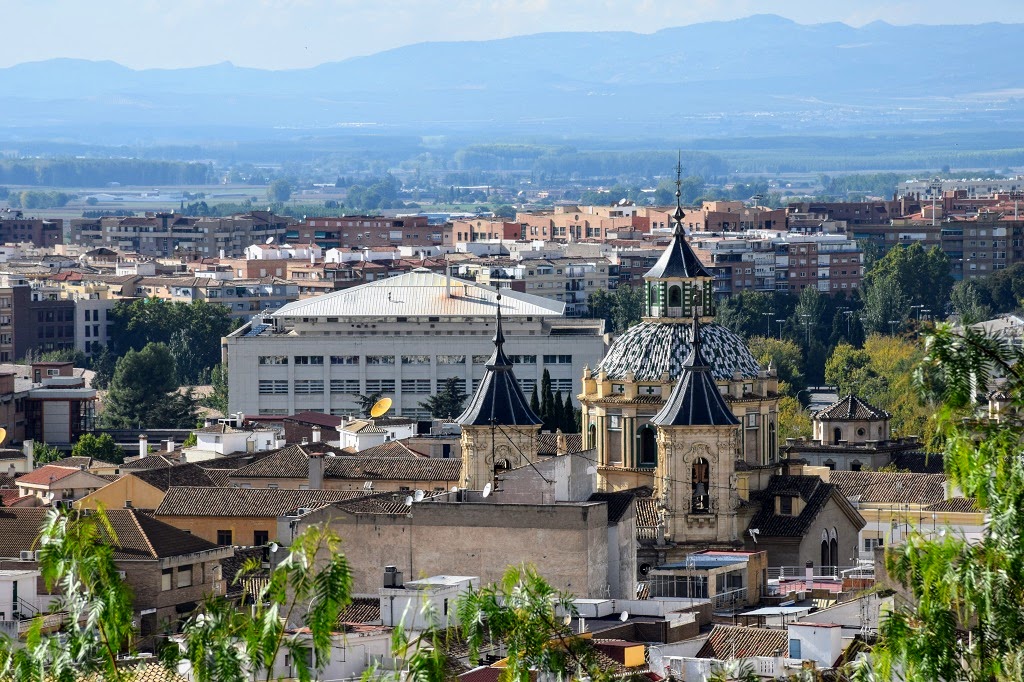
(701, 500)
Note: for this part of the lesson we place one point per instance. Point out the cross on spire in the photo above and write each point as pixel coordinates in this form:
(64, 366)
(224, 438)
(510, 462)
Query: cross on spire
(677, 217)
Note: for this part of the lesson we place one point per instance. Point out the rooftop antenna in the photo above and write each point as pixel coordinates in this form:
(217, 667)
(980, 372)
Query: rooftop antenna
(487, 491)
(754, 532)
(380, 408)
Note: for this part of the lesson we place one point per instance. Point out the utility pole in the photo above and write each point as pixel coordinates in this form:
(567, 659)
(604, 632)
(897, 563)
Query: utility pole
(807, 324)
(780, 322)
(769, 320)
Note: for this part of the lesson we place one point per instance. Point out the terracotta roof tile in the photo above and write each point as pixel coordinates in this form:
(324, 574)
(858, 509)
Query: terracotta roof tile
(963, 505)
(245, 502)
(726, 642)
(41, 476)
(814, 492)
(887, 488)
(429, 469)
(361, 610)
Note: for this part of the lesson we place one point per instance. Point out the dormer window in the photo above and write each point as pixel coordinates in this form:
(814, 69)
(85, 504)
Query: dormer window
(785, 505)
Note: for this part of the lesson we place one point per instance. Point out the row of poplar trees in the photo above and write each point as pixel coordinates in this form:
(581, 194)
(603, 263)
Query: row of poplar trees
(557, 414)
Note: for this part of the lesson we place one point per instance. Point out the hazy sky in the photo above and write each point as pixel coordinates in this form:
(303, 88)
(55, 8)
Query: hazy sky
(281, 34)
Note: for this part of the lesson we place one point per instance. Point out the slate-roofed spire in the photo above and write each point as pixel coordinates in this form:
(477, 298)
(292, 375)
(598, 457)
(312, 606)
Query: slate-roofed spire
(695, 400)
(498, 399)
(678, 260)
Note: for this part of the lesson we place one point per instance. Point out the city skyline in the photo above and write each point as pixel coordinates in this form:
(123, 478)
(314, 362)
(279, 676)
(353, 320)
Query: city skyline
(286, 34)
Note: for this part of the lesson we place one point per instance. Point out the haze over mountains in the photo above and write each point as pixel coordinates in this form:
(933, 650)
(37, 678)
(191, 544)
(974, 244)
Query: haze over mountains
(763, 75)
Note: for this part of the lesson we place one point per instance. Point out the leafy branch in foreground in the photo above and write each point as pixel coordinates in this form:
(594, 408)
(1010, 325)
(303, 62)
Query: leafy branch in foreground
(966, 621)
(76, 556)
(310, 586)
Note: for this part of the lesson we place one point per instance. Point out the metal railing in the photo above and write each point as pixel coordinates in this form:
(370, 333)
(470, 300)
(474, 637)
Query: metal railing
(729, 598)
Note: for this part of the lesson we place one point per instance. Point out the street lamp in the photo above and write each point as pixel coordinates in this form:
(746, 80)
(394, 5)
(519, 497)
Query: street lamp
(807, 324)
(892, 327)
(769, 320)
(779, 322)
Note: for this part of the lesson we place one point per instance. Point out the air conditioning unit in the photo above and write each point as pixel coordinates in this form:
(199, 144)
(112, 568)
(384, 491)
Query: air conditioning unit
(26, 555)
(122, 575)
(36, 554)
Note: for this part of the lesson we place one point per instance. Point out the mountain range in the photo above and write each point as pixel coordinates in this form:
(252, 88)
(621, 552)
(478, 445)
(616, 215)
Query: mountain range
(754, 76)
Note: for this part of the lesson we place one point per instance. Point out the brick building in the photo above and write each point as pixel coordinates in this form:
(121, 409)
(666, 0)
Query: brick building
(359, 231)
(16, 228)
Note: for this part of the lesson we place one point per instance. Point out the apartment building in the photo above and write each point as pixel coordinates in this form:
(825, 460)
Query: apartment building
(362, 231)
(32, 319)
(481, 229)
(781, 261)
(571, 223)
(15, 228)
(172, 234)
(242, 297)
(402, 336)
(733, 216)
(568, 280)
(971, 187)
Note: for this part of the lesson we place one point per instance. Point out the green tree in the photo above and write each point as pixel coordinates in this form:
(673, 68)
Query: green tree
(522, 612)
(629, 307)
(966, 302)
(279, 191)
(76, 556)
(448, 402)
(547, 403)
(922, 276)
(101, 447)
(103, 365)
(535, 401)
(886, 306)
(218, 398)
(965, 618)
(44, 453)
(571, 423)
(72, 355)
(794, 422)
(142, 383)
(785, 356)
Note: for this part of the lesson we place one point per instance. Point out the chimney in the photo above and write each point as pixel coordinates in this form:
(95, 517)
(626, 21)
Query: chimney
(560, 445)
(29, 449)
(279, 443)
(305, 441)
(316, 434)
(809, 576)
(143, 445)
(316, 471)
(170, 445)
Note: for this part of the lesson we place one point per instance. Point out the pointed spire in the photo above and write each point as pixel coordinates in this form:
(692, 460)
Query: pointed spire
(498, 398)
(695, 360)
(677, 217)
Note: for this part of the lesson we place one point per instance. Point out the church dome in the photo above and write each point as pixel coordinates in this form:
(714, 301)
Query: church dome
(649, 349)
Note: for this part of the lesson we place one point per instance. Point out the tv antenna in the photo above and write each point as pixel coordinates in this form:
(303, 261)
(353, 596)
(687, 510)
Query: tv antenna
(754, 532)
(380, 408)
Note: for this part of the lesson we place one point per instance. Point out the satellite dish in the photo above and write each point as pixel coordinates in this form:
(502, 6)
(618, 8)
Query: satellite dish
(274, 547)
(567, 619)
(624, 616)
(455, 488)
(487, 490)
(270, 240)
(408, 500)
(3, 435)
(418, 496)
(591, 470)
(380, 408)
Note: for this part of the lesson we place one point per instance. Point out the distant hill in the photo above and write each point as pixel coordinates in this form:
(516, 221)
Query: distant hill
(754, 76)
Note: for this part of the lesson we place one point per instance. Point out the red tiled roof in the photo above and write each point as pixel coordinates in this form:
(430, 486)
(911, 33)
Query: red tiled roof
(41, 476)
(729, 641)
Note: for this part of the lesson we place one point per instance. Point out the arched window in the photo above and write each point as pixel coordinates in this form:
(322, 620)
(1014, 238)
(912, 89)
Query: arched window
(837, 435)
(773, 446)
(830, 463)
(675, 296)
(701, 476)
(591, 437)
(833, 548)
(855, 465)
(824, 553)
(647, 446)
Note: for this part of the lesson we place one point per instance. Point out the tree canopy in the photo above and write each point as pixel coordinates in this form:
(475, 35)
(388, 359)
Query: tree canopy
(143, 391)
(448, 402)
(101, 447)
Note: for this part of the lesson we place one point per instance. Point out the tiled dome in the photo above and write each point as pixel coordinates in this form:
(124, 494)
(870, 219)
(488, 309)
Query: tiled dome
(649, 349)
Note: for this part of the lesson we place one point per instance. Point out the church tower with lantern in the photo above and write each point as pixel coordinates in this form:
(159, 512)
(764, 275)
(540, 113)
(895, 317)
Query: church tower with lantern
(499, 430)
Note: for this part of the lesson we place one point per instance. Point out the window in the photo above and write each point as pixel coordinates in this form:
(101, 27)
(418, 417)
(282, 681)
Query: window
(416, 385)
(481, 359)
(309, 359)
(794, 648)
(614, 421)
(273, 387)
(273, 359)
(309, 386)
(786, 505)
(752, 419)
(344, 359)
(523, 359)
(557, 359)
(871, 543)
(380, 359)
(165, 579)
(344, 385)
(223, 537)
(184, 576)
(415, 359)
(380, 385)
(451, 359)
(260, 537)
